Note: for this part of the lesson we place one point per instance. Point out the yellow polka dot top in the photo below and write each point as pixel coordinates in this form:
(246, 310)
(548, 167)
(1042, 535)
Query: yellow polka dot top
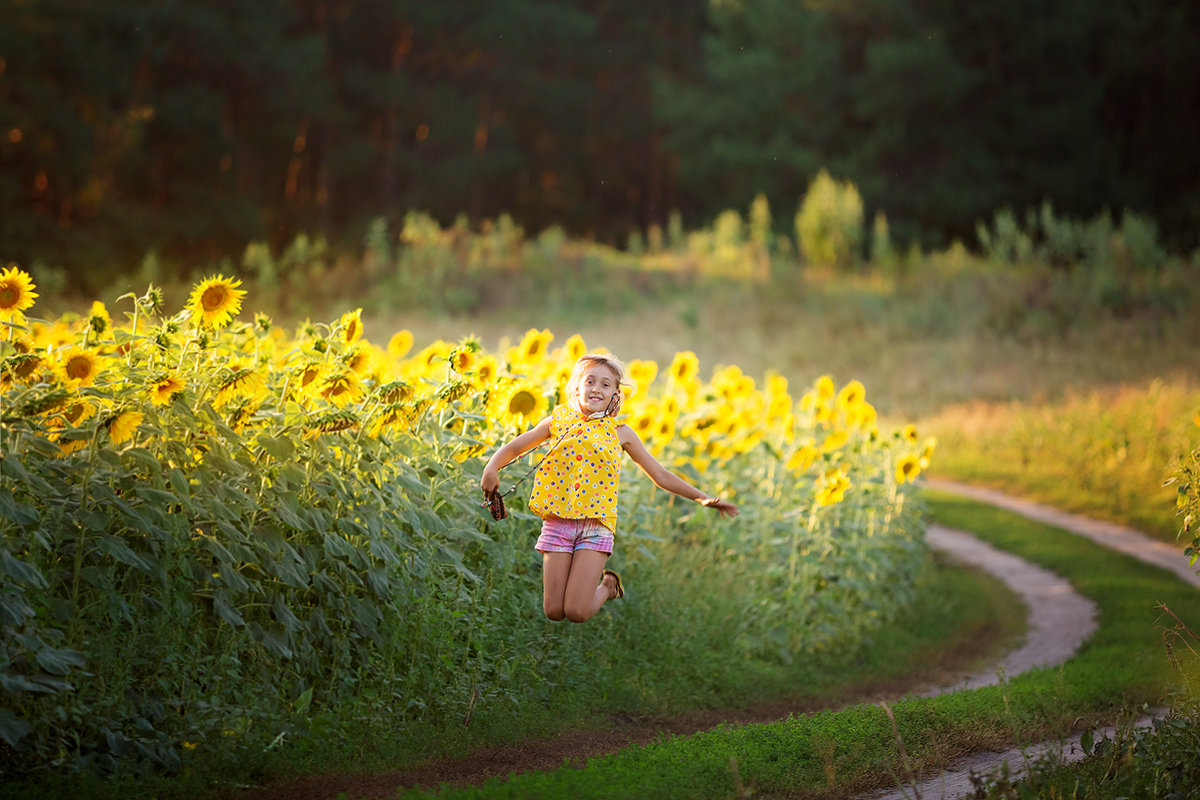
(579, 477)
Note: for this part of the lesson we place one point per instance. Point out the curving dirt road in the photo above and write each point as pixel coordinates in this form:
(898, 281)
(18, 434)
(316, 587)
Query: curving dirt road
(1060, 622)
(1060, 619)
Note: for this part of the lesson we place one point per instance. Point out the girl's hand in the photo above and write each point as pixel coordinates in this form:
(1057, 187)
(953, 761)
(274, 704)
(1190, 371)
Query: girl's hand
(490, 481)
(726, 508)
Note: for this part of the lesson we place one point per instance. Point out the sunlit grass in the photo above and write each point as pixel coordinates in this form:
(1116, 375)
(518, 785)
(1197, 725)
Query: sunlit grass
(844, 753)
(1102, 452)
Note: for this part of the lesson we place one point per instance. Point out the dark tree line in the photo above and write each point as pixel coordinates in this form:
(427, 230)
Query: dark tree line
(193, 127)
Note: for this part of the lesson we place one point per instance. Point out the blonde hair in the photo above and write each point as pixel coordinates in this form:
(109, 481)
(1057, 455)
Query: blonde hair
(602, 359)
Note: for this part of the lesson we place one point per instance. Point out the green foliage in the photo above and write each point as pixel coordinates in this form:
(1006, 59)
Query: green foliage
(1115, 253)
(193, 574)
(196, 130)
(841, 754)
(829, 224)
(1186, 480)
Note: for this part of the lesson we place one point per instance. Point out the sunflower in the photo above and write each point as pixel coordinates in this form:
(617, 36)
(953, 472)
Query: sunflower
(99, 321)
(79, 368)
(26, 362)
(165, 388)
(359, 360)
(397, 416)
(833, 486)
(777, 386)
(245, 383)
(241, 417)
(486, 371)
(16, 293)
(834, 441)
(825, 388)
(670, 407)
(432, 355)
(861, 415)
(123, 426)
(909, 434)
(803, 458)
(463, 360)
(927, 451)
(535, 345)
(76, 412)
(684, 368)
(68, 446)
(453, 391)
(400, 343)
(645, 421)
(215, 301)
(643, 372)
(779, 407)
(907, 469)
(351, 326)
(332, 422)
(523, 404)
(309, 378)
(574, 348)
(394, 392)
(341, 387)
(851, 395)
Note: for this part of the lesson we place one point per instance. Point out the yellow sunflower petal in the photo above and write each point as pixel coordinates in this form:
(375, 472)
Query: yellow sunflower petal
(124, 426)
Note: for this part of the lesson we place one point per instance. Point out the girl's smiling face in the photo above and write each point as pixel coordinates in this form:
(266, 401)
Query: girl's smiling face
(596, 390)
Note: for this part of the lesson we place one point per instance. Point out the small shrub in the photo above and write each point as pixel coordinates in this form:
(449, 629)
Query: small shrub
(829, 224)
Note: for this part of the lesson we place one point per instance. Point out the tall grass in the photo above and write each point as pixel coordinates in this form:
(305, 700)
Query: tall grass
(1106, 452)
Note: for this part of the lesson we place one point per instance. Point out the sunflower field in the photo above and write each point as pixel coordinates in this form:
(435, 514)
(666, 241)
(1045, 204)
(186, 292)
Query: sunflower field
(216, 535)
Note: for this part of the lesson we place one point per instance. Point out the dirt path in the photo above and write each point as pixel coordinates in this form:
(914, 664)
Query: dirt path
(1052, 615)
(1060, 620)
(1108, 534)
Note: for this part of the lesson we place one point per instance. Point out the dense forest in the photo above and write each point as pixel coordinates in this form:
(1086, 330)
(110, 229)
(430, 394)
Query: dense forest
(193, 127)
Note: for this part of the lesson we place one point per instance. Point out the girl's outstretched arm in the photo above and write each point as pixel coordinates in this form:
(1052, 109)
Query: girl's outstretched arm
(665, 479)
(510, 451)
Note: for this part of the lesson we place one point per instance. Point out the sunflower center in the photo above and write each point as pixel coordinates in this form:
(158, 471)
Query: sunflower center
(214, 298)
(522, 403)
(79, 367)
(9, 295)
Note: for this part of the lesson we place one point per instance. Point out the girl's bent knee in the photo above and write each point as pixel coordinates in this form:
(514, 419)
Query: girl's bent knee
(577, 614)
(554, 614)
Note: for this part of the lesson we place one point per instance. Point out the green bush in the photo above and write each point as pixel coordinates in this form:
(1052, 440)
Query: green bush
(829, 224)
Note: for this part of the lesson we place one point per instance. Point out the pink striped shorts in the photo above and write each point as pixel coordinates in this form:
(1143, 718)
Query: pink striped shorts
(569, 535)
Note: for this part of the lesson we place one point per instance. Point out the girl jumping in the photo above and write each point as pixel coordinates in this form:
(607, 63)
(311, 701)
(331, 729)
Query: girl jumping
(575, 487)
